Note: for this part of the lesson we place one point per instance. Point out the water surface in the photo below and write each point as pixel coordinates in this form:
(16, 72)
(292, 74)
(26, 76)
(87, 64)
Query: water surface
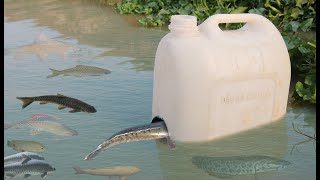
(122, 98)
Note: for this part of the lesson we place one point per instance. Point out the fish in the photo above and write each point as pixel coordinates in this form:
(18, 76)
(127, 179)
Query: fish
(32, 167)
(226, 167)
(43, 122)
(80, 71)
(62, 101)
(153, 131)
(43, 46)
(121, 171)
(22, 157)
(22, 145)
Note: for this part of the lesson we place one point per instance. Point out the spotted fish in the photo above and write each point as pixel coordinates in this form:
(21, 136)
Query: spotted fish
(226, 167)
(156, 130)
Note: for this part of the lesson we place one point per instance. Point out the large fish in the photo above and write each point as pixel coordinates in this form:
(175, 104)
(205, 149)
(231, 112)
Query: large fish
(63, 102)
(156, 130)
(43, 122)
(226, 167)
(22, 145)
(80, 71)
(121, 171)
(22, 157)
(44, 46)
(32, 167)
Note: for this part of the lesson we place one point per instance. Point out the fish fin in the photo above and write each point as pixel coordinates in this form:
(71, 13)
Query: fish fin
(43, 102)
(26, 101)
(44, 174)
(27, 175)
(78, 170)
(93, 154)
(74, 111)
(9, 143)
(61, 107)
(25, 159)
(35, 132)
(122, 177)
(61, 95)
(221, 176)
(54, 73)
(170, 143)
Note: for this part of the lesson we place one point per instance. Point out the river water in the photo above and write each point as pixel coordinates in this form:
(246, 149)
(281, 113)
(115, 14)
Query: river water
(122, 98)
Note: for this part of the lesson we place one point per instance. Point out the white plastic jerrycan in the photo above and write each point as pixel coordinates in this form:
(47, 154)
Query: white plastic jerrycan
(210, 83)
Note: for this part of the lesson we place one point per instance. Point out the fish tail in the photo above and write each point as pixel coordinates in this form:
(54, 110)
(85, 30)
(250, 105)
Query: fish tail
(26, 101)
(9, 143)
(93, 154)
(78, 170)
(54, 73)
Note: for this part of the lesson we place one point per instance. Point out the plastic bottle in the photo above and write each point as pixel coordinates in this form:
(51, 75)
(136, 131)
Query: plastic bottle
(210, 83)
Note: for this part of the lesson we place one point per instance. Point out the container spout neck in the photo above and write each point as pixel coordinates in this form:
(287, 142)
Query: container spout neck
(183, 24)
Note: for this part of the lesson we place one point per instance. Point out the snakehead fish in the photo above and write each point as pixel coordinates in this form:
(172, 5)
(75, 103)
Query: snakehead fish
(156, 130)
(226, 167)
(22, 157)
(63, 102)
(32, 167)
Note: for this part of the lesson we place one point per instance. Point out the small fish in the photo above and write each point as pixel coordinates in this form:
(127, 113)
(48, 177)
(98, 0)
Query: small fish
(121, 171)
(156, 130)
(63, 102)
(43, 46)
(22, 157)
(32, 167)
(226, 167)
(79, 71)
(43, 122)
(22, 145)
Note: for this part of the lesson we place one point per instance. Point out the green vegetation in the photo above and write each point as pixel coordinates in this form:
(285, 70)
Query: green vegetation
(291, 17)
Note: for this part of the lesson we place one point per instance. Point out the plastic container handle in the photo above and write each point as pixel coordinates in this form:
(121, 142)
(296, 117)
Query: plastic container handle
(234, 18)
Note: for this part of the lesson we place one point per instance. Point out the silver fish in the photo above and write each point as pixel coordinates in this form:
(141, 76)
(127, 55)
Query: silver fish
(43, 46)
(156, 130)
(226, 167)
(32, 167)
(43, 122)
(121, 171)
(23, 145)
(22, 157)
(80, 71)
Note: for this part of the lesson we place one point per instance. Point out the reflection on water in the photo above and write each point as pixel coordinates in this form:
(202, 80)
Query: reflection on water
(91, 24)
(122, 99)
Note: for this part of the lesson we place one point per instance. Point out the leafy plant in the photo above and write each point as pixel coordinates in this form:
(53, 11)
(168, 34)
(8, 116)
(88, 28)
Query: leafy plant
(290, 16)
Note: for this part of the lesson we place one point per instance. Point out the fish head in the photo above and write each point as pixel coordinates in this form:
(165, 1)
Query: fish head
(272, 164)
(41, 148)
(90, 109)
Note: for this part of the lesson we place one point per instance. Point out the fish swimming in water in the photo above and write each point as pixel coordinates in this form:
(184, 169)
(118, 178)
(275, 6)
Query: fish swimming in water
(226, 167)
(22, 145)
(32, 167)
(22, 157)
(156, 130)
(62, 100)
(43, 122)
(43, 46)
(121, 171)
(80, 71)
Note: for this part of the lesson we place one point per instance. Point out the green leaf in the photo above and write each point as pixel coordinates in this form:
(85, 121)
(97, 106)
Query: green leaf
(300, 2)
(240, 9)
(296, 12)
(310, 79)
(303, 50)
(294, 25)
(306, 25)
